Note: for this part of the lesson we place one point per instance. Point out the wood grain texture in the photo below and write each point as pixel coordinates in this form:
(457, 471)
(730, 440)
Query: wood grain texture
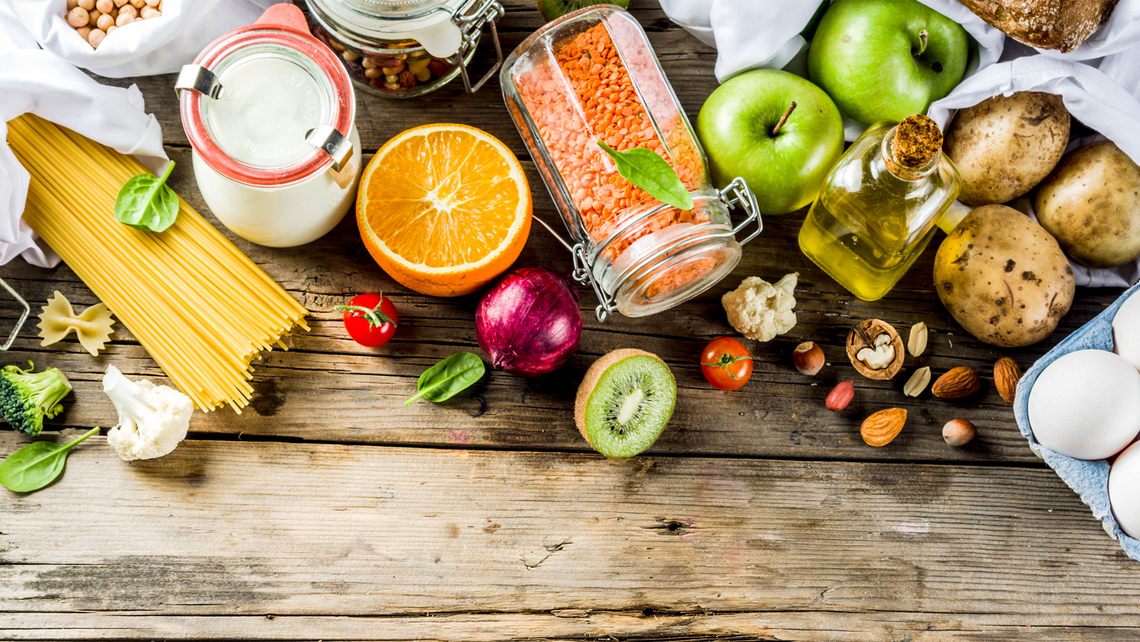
(232, 528)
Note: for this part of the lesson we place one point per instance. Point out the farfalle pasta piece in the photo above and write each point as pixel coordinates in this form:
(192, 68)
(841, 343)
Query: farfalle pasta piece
(93, 327)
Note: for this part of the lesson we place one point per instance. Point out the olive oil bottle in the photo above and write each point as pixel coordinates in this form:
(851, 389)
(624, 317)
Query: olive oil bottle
(877, 210)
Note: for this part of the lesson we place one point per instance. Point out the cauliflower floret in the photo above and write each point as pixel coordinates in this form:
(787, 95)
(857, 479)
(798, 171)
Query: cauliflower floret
(760, 310)
(152, 419)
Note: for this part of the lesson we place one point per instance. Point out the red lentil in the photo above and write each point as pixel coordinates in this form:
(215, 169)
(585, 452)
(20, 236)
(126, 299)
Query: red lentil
(585, 94)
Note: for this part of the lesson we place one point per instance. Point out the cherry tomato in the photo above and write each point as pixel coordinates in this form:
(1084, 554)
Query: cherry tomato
(726, 363)
(370, 319)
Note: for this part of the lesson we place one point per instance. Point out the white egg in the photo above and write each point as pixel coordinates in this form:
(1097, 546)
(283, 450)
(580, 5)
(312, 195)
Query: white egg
(1126, 330)
(1086, 405)
(1124, 490)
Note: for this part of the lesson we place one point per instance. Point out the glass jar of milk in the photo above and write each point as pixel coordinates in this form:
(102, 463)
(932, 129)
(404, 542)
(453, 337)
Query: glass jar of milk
(270, 112)
(407, 48)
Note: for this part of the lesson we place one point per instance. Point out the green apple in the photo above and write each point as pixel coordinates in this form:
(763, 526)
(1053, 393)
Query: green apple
(886, 59)
(743, 129)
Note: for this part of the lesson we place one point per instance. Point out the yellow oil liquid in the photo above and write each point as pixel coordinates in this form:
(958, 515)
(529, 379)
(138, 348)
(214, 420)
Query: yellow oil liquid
(865, 241)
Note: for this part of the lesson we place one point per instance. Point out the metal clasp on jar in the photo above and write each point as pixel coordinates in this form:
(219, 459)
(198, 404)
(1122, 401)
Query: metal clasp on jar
(734, 194)
(471, 17)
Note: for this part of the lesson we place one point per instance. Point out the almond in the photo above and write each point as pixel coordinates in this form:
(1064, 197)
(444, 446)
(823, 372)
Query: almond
(956, 384)
(840, 396)
(1006, 375)
(882, 427)
(808, 358)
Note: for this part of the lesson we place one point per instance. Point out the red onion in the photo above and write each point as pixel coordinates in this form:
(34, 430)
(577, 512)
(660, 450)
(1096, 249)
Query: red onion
(529, 322)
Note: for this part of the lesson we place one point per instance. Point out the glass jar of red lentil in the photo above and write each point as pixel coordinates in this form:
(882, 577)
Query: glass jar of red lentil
(407, 48)
(592, 76)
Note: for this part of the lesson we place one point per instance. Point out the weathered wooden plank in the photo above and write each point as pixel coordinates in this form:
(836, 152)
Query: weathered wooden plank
(571, 624)
(780, 413)
(233, 528)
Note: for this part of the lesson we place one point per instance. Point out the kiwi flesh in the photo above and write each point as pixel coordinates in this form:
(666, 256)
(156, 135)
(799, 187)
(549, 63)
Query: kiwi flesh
(624, 402)
(551, 9)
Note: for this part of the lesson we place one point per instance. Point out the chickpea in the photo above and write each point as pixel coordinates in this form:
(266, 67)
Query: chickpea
(153, 3)
(71, 4)
(350, 55)
(87, 4)
(77, 17)
(106, 6)
(138, 4)
(93, 18)
(124, 19)
(367, 63)
(110, 29)
(129, 10)
(105, 21)
(148, 13)
(96, 36)
(83, 31)
(119, 3)
(372, 73)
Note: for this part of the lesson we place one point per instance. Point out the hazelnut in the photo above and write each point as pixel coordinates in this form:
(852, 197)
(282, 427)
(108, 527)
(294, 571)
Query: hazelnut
(958, 432)
(808, 358)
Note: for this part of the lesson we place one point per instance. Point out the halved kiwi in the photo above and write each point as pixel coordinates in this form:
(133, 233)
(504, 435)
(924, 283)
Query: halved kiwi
(551, 9)
(624, 402)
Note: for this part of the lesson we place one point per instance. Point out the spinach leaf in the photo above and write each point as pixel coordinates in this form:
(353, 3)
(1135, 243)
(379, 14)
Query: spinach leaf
(147, 203)
(36, 465)
(645, 169)
(449, 377)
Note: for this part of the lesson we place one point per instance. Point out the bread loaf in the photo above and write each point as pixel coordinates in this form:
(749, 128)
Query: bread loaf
(1045, 24)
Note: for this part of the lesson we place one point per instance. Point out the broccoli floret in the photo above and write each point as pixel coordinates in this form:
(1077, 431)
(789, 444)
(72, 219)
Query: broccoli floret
(27, 397)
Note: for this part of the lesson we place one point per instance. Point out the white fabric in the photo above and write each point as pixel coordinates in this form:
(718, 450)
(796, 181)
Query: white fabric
(752, 34)
(40, 83)
(1092, 96)
(156, 46)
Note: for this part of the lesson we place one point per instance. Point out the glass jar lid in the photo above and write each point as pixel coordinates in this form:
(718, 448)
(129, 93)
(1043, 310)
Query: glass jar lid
(276, 86)
(365, 23)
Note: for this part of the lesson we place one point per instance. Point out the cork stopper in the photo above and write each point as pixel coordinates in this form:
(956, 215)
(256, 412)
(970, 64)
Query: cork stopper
(916, 142)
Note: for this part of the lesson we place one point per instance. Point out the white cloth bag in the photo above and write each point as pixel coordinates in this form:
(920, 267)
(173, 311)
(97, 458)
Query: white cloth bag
(1095, 97)
(40, 83)
(156, 46)
(752, 34)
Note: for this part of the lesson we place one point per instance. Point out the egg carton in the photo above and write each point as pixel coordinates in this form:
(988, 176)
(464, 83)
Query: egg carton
(1089, 479)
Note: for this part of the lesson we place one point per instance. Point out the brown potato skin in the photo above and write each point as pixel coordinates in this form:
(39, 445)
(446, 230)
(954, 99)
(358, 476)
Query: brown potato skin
(1091, 204)
(1004, 146)
(1003, 278)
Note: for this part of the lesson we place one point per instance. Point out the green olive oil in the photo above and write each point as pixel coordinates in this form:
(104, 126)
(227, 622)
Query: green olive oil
(877, 210)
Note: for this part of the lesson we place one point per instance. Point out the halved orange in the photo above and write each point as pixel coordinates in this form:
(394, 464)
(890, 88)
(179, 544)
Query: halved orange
(444, 208)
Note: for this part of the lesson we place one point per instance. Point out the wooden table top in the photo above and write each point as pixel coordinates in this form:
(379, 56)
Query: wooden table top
(329, 510)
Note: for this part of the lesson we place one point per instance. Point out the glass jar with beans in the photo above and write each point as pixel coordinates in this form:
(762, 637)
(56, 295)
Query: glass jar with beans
(407, 48)
(592, 77)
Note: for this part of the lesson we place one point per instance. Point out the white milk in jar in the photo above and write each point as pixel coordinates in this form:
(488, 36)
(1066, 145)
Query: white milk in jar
(269, 112)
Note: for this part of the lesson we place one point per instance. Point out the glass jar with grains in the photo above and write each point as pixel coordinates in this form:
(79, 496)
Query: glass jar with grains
(407, 48)
(592, 76)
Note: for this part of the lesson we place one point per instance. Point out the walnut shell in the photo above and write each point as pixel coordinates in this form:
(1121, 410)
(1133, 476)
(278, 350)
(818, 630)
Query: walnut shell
(863, 336)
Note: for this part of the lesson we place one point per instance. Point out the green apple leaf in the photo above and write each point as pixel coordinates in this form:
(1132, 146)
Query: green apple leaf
(645, 169)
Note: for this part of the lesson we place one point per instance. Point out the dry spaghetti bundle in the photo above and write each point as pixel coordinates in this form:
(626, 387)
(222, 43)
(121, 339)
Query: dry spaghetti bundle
(201, 308)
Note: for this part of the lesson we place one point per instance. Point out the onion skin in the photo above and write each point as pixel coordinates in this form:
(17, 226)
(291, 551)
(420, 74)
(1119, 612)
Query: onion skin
(529, 322)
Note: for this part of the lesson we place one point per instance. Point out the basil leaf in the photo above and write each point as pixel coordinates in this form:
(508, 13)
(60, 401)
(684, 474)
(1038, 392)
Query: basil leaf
(36, 465)
(449, 377)
(645, 169)
(145, 202)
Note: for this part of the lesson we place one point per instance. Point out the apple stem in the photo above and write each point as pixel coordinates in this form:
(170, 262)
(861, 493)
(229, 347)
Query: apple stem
(922, 37)
(784, 118)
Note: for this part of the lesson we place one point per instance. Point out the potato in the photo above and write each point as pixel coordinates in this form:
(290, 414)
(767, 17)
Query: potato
(1003, 278)
(1091, 204)
(1004, 146)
